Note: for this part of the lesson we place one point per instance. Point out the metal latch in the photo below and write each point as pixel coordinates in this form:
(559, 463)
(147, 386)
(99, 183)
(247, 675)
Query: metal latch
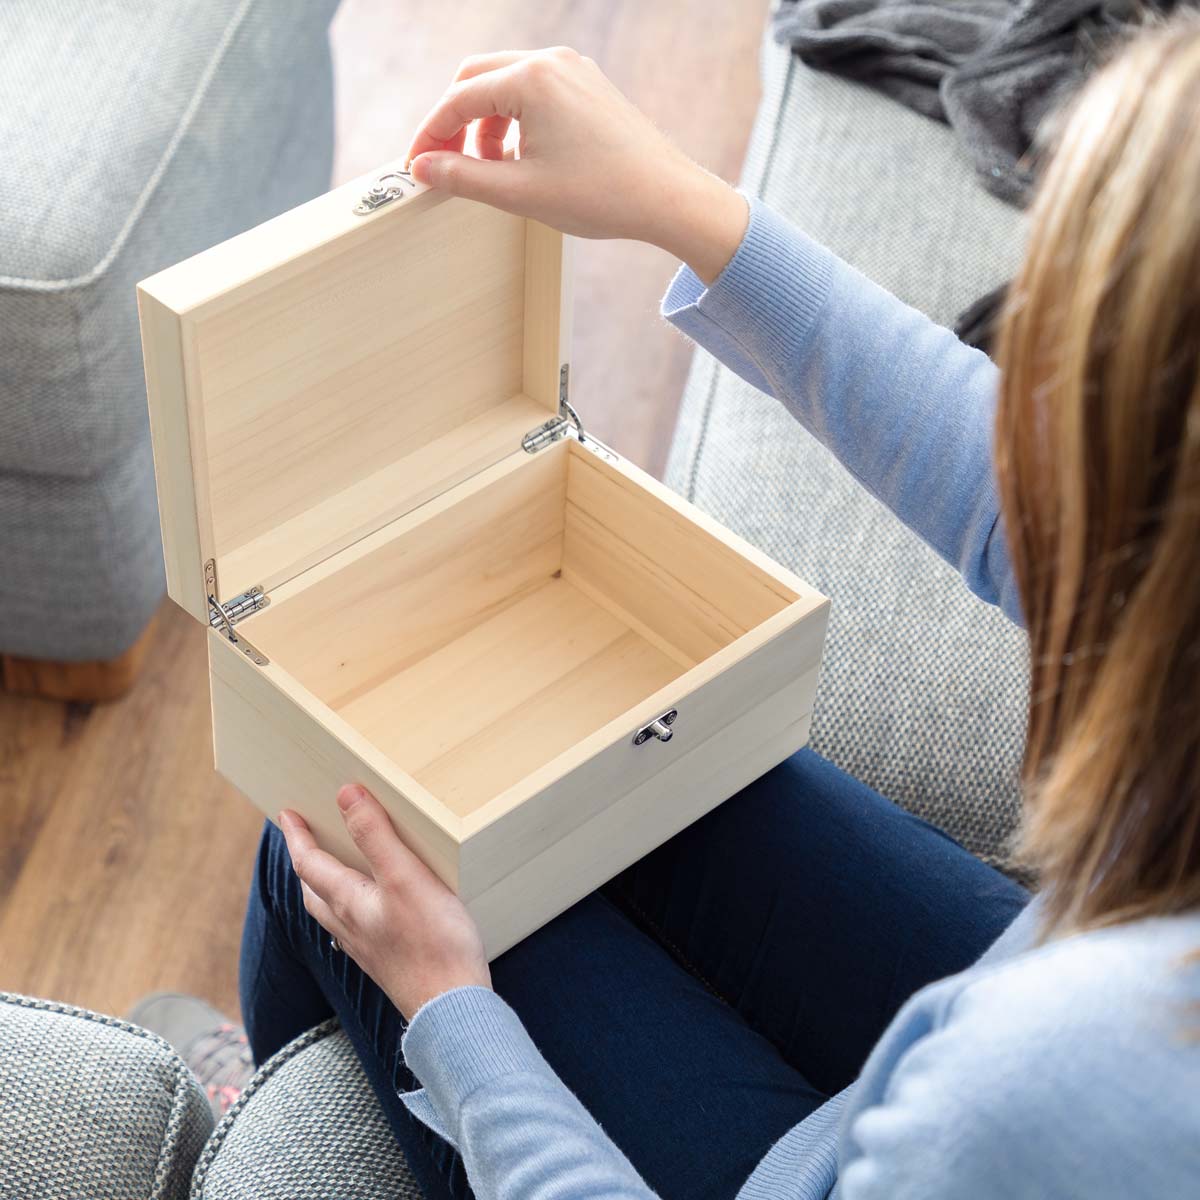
(660, 728)
(388, 187)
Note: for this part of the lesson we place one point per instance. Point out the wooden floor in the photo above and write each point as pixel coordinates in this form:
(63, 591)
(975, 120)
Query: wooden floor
(124, 860)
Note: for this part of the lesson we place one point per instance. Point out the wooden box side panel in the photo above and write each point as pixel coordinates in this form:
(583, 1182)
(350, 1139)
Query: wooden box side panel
(544, 886)
(548, 307)
(692, 591)
(281, 756)
(181, 483)
(342, 370)
(352, 629)
(572, 790)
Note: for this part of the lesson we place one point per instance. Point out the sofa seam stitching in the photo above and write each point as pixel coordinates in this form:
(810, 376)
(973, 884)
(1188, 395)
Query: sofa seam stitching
(216, 1139)
(21, 283)
(760, 186)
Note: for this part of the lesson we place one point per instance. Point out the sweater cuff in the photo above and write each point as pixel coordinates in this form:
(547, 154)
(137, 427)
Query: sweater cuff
(460, 1041)
(769, 294)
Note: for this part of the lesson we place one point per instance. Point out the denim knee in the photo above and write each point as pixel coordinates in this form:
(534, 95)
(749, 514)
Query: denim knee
(275, 882)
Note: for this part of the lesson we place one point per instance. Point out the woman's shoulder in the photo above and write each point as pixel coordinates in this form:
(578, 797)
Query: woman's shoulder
(1075, 1064)
(1131, 970)
(1082, 1028)
(1124, 999)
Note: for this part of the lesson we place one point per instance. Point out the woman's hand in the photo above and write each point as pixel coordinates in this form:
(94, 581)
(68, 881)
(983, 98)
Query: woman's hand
(590, 163)
(401, 924)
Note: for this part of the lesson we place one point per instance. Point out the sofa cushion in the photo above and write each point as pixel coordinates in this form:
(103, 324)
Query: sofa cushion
(134, 135)
(923, 687)
(93, 1106)
(307, 1127)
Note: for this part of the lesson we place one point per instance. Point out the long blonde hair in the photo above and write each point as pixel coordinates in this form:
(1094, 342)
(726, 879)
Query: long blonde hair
(1098, 460)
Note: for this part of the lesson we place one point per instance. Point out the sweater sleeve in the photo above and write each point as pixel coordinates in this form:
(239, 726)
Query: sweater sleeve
(488, 1091)
(902, 403)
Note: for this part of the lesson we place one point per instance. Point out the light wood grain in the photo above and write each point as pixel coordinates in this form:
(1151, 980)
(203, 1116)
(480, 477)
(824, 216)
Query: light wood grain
(548, 299)
(493, 694)
(315, 534)
(323, 373)
(284, 749)
(544, 673)
(589, 856)
(424, 581)
(573, 788)
(456, 638)
(125, 860)
(175, 428)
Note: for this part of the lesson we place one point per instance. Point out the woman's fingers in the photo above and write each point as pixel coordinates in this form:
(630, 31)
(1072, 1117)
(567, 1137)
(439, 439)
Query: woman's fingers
(492, 94)
(502, 184)
(317, 868)
(489, 136)
(480, 64)
(322, 913)
(490, 132)
(371, 829)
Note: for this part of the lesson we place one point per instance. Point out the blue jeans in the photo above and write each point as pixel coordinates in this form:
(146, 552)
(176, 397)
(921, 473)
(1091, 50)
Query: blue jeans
(704, 1001)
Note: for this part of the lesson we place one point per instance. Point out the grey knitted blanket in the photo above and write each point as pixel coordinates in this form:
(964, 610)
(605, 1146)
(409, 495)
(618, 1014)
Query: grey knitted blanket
(992, 69)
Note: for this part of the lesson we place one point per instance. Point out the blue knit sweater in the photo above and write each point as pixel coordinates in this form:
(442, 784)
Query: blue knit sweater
(1066, 1069)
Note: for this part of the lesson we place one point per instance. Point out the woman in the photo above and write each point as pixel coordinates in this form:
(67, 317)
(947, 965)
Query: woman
(808, 988)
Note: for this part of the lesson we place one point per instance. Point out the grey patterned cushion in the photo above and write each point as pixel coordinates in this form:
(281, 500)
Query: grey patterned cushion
(922, 693)
(307, 1127)
(93, 1106)
(131, 136)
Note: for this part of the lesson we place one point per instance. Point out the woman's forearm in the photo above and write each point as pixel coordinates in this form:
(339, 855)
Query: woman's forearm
(904, 405)
(518, 1127)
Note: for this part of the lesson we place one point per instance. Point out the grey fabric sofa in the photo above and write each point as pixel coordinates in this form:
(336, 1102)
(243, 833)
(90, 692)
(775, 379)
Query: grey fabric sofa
(923, 688)
(93, 1106)
(132, 135)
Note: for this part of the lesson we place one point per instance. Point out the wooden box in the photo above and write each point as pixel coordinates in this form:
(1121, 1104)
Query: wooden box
(418, 571)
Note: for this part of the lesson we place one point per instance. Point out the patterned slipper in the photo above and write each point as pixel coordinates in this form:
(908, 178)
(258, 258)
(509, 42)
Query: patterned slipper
(214, 1047)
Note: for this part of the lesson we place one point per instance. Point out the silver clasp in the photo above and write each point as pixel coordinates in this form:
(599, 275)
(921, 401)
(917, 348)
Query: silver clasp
(659, 728)
(388, 187)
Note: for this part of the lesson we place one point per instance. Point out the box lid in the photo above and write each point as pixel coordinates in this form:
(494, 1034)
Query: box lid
(332, 369)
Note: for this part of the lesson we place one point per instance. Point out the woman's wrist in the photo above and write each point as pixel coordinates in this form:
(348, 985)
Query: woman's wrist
(706, 224)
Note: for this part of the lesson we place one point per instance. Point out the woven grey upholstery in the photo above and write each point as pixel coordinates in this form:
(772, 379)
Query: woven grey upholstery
(131, 135)
(307, 1127)
(923, 687)
(93, 1106)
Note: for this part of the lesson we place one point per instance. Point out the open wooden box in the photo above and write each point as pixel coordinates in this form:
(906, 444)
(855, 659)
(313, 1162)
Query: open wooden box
(420, 573)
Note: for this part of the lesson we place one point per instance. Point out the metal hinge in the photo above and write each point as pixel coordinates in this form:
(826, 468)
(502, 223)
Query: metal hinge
(566, 424)
(388, 187)
(224, 617)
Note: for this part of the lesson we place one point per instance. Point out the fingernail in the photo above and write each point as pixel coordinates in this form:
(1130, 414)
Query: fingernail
(284, 818)
(349, 795)
(418, 168)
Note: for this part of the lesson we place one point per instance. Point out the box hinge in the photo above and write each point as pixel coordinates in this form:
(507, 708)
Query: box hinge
(224, 617)
(566, 424)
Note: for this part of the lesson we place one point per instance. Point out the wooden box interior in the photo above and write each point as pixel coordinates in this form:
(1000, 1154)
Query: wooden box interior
(477, 638)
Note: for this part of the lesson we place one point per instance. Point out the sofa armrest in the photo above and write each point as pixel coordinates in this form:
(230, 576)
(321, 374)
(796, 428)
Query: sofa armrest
(93, 1106)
